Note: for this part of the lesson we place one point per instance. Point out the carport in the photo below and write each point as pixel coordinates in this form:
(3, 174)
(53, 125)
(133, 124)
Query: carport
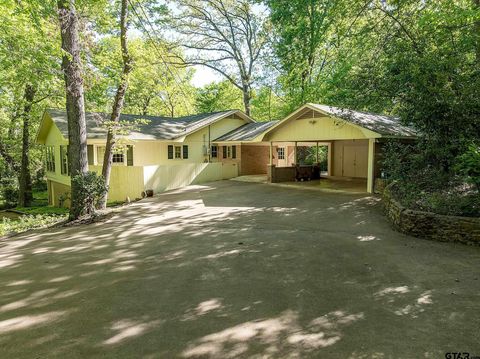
(287, 150)
(354, 140)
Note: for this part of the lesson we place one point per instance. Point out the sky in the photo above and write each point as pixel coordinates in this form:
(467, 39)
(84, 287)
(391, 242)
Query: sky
(203, 76)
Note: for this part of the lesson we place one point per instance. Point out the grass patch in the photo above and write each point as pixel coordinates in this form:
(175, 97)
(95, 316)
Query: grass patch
(28, 222)
(43, 210)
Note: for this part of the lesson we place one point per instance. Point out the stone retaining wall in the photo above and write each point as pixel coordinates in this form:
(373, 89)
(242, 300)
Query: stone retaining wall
(430, 225)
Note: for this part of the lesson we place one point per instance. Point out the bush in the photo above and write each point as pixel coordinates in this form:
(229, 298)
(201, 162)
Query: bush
(10, 196)
(468, 165)
(92, 189)
(425, 186)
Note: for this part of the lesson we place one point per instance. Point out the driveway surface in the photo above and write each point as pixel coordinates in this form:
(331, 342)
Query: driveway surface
(233, 269)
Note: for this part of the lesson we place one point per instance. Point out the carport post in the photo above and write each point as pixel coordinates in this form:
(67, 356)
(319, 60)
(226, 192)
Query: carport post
(295, 154)
(371, 161)
(317, 152)
(271, 153)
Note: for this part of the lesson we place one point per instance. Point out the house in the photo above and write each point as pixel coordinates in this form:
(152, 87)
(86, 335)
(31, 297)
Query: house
(162, 154)
(168, 153)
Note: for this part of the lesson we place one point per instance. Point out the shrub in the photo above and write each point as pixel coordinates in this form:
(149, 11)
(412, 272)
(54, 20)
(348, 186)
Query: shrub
(92, 189)
(10, 196)
(468, 165)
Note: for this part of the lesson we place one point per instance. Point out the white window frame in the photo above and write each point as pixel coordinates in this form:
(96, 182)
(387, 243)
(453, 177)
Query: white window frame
(179, 153)
(281, 153)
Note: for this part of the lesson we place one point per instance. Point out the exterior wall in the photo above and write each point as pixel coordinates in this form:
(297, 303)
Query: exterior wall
(55, 138)
(317, 129)
(164, 178)
(345, 153)
(254, 159)
(55, 191)
(125, 181)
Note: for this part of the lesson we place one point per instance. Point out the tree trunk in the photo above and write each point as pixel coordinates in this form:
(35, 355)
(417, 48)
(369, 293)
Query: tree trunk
(247, 97)
(9, 160)
(75, 103)
(119, 100)
(24, 178)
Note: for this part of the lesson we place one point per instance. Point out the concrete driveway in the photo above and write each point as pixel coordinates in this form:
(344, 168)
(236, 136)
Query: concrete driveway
(235, 269)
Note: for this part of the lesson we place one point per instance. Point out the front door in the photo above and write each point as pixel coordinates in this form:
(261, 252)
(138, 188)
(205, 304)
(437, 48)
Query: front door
(281, 157)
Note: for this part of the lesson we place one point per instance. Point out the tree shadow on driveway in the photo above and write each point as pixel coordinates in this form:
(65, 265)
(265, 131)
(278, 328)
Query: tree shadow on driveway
(237, 270)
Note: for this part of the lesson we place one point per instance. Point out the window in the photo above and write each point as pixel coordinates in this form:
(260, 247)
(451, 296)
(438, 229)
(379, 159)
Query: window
(178, 152)
(170, 152)
(90, 154)
(185, 152)
(100, 154)
(50, 158)
(281, 153)
(117, 157)
(234, 151)
(229, 152)
(224, 151)
(64, 167)
(214, 151)
(129, 155)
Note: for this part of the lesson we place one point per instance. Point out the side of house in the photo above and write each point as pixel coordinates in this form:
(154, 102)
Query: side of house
(163, 154)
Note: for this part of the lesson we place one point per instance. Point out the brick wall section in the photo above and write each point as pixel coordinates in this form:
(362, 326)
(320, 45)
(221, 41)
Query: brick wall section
(254, 160)
(430, 225)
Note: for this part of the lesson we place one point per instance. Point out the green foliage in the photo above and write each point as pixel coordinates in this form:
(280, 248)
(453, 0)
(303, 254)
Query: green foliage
(93, 188)
(10, 196)
(468, 165)
(218, 96)
(25, 223)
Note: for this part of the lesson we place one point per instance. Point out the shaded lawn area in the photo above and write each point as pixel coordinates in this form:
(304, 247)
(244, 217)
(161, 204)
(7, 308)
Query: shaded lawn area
(238, 270)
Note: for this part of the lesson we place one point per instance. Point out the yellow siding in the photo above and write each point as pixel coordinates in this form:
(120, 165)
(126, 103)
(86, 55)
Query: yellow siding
(125, 181)
(55, 138)
(316, 129)
(167, 177)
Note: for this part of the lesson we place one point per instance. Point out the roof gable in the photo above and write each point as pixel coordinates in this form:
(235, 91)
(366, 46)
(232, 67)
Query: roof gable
(372, 125)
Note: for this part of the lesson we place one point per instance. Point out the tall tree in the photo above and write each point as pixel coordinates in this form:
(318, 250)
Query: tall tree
(25, 178)
(119, 100)
(75, 104)
(227, 36)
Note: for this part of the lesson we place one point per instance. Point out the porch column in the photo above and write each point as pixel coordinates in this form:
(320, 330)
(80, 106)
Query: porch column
(271, 154)
(371, 161)
(295, 154)
(330, 159)
(317, 152)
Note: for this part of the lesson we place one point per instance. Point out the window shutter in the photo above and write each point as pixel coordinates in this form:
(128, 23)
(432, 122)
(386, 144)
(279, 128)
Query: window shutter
(170, 152)
(224, 151)
(129, 155)
(185, 151)
(234, 151)
(90, 154)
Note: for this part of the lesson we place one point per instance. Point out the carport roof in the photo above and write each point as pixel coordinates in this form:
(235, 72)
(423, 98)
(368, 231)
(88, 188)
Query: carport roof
(381, 124)
(246, 132)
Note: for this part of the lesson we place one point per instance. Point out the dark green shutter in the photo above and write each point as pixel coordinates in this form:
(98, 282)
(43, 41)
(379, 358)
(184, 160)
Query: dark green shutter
(90, 154)
(224, 151)
(129, 155)
(185, 151)
(234, 151)
(170, 152)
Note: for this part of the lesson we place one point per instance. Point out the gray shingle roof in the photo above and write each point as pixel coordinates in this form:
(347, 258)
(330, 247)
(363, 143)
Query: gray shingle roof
(246, 132)
(158, 127)
(382, 124)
